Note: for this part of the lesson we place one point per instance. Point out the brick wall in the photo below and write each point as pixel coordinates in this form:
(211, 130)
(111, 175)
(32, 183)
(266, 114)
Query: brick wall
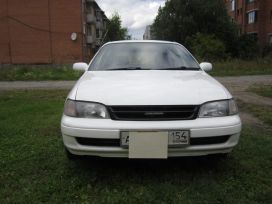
(66, 19)
(39, 31)
(4, 34)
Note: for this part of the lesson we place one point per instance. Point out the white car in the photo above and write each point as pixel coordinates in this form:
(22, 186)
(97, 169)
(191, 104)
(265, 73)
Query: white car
(148, 99)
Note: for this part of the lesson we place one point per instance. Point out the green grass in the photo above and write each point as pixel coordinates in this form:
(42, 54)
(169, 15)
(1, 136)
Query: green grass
(242, 67)
(46, 72)
(262, 90)
(34, 169)
(38, 73)
(264, 113)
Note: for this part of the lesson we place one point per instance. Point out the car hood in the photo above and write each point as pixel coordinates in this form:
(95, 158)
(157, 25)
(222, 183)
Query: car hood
(149, 87)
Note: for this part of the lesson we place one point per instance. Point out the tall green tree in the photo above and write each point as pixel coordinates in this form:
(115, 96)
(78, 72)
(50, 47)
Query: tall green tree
(182, 19)
(115, 31)
(207, 47)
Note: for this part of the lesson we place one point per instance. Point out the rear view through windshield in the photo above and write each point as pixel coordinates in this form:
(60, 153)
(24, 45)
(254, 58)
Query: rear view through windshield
(143, 56)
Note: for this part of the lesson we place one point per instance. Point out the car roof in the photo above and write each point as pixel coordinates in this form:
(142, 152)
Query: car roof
(142, 41)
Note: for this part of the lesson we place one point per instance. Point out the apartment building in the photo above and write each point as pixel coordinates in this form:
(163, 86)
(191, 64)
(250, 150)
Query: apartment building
(94, 27)
(50, 31)
(253, 17)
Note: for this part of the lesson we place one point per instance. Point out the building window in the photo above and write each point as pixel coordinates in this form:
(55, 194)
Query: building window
(88, 7)
(271, 17)
(249, 1)
(270, 40)
(89, 30)
(232, 5)
(252, 17)
(98, 15)
(97, 33)
(254, 36)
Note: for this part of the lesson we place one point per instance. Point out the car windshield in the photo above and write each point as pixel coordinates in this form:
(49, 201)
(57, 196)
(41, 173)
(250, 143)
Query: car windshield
(143, 56)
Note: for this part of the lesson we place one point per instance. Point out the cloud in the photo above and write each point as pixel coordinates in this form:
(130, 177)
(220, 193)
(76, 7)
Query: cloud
(135, 14)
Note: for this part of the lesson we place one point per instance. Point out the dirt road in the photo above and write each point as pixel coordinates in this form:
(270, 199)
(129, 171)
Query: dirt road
(236, 85)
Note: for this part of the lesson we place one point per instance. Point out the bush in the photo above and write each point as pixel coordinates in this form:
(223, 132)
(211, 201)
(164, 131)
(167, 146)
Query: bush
(248, 47)
(267, 53)
(207, 47)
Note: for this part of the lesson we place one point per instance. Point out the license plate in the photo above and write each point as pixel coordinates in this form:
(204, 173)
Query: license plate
(175, 138)
(179, 138)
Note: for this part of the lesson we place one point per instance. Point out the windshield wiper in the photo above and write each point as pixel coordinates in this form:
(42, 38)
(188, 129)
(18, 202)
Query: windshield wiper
(127, 68)
(182, 68)
(140, 68)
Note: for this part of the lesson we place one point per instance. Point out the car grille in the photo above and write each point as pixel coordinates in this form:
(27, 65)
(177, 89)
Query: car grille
(155, 113)
(116, 142)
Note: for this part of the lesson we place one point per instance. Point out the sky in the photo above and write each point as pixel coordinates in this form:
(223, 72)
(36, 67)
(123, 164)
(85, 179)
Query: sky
(135, 14)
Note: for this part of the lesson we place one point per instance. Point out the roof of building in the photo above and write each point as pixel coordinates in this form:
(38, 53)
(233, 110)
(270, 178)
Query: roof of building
(103, 12)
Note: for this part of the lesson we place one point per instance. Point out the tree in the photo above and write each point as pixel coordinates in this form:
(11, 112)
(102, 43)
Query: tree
(115, 30)
(181, 19)
(207, 47)
(248, 47)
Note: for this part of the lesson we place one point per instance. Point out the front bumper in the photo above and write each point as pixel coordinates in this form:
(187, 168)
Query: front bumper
(73, 128)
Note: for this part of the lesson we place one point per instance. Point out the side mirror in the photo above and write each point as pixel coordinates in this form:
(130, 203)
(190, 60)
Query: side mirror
(206, 66)
(80, 66)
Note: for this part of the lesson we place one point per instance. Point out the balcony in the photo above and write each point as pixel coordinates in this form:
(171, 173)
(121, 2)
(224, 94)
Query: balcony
(89, 39)
(91, 18)
(99, 25)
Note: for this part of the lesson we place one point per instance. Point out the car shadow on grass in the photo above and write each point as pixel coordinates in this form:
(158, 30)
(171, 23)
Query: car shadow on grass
(211, 163)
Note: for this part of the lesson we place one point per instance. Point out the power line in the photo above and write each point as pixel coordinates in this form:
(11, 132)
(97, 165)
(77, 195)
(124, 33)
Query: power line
(34, 27)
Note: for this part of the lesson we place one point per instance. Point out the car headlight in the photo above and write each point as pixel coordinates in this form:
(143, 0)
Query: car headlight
(85, 110)
(218, 109)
